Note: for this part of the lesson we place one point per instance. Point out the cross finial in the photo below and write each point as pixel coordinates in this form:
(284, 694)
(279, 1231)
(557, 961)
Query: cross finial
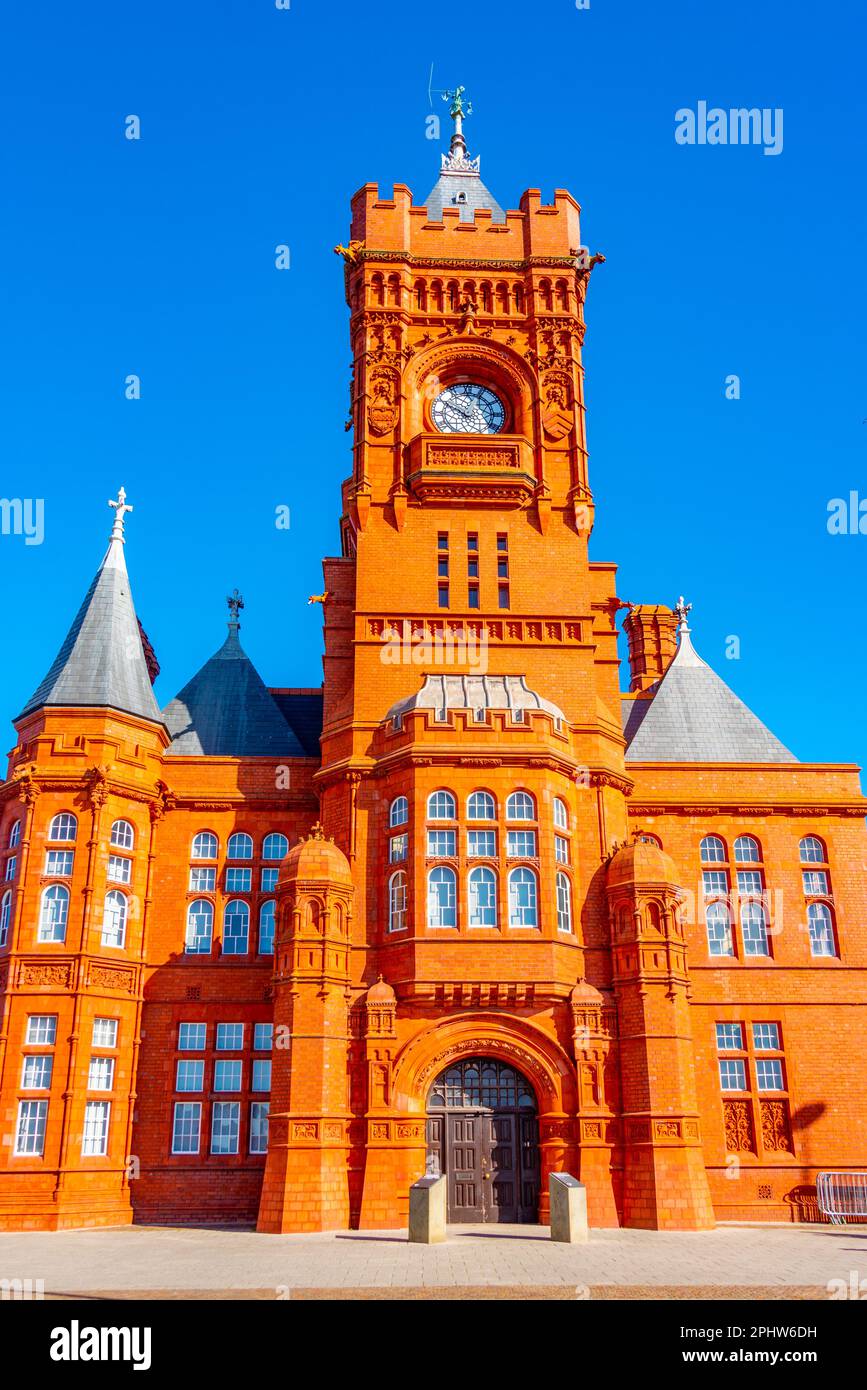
(681, 609)
(236, 603)
(121, 507)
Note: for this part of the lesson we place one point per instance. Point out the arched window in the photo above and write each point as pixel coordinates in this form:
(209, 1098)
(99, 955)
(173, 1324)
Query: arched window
(420, 294)
(713, 851)
(442, 909)
(236, 928)
(482, 883)
(397, 901)
(821, 927)
(564, 903)
(63, 827)
(519, 299)
(523, 898)
(122, 835)
(747, 850)
(240, 846)
(754, 929)
(441, 806)
(719, 930)
(561, 815)
(399, 812)
(481, 806)
(205, 845)
(520, 806)
(813, 851)
(14, 834)
(114, 914)
(267, 923)
(53, 913)
(275, 846)
(5, 916)
(200, 927)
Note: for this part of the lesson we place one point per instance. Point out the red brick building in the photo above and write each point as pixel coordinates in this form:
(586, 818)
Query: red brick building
(266, 954)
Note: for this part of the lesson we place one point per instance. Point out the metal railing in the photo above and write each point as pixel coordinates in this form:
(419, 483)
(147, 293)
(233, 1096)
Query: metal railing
(842, 1196)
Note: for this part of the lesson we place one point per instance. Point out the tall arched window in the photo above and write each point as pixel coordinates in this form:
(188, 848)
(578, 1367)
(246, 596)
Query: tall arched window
(523, 898)
(482, 884)
(713, 851)
(200, 927)
(114, 915)
(63, 827)
(122, 835)
(520, 806)
(5, 916)
(275, 846)
(205, 845)
(236, 928)
(14, 834)
(399, 812)
(812, 850)
(564, 903)
(481, 806)
(441, 805)
(719, 930)
(561, 815)
(54, 913)
(442, 898)
(397, 901)
(747, 850)
(754, 929)
(821, 927)
(240, 846)
(267, 922)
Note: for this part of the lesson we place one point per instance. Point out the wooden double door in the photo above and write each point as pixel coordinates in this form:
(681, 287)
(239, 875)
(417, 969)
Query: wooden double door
(488, 1151)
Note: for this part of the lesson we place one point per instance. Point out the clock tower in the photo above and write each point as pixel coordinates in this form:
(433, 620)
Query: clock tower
(473, 767)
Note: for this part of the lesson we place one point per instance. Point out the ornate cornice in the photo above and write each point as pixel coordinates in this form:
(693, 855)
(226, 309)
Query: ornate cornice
(739, 808)
(465, 262)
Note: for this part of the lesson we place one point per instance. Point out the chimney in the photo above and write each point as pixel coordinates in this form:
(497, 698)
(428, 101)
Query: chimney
(651, 630)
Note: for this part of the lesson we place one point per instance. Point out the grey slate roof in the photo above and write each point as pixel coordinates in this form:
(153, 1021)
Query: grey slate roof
(302, 711)
(101, 661)
(693, 717)
(463, 191)
(226, 710)
(474, 692)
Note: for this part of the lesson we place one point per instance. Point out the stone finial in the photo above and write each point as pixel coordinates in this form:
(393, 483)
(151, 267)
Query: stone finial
(121, 507)
(681, 608)
(235, 602)
(316, 832)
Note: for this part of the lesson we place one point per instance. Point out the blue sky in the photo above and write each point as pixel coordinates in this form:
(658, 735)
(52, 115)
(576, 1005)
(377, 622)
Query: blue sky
(156, 257)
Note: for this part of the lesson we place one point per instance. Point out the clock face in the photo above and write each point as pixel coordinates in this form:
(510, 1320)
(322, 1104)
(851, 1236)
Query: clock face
(467, 408)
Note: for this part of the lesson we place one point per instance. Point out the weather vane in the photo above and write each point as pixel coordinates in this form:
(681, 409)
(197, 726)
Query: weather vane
(457, 103)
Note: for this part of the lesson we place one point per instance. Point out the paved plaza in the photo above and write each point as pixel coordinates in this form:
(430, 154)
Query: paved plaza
(733, 1261)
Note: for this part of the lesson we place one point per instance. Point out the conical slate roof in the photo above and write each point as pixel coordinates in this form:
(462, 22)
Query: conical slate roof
(694, 718)
(101, 661)
(226, 710)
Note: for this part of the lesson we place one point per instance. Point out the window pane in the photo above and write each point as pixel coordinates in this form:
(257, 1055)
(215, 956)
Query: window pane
(239, 880)
(397, 848)
(732, 1074)
(275, 846)
(104, 1032)
(815, 882)
(119, 869)
(481, 806)
(719, 931)
(191, 1037)
(261, 1076)
(521, 844)
(236, 925)
(821, 930)
(58, 862)
(482, 898)
(442, 898)
(268, 880)
(36, 1072)
(754, 929)
(94, 1141)
(230, 1037)
(259, 1126)
(729, 1037)
(747, 850)
(267, 924)
(766, 1037)
(190, 1075)
(122, 835)
(812, 851)
(225, 1124)
(263, 1037)
(481, 844)
(397, 901)
(42, 1029)
(712, 850)
(561, 849)
(441, 806)
(769, 1074)
(187, 1126)
(522, 898)
(204, 845)
(30, 1130)
(441, 843)
(100, 1074)
(203, 880)
(240, 846)
(227, 1075)
(399, 814)
(520, 806)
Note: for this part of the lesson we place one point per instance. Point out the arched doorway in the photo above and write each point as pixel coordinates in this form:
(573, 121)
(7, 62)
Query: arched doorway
(483, 1135)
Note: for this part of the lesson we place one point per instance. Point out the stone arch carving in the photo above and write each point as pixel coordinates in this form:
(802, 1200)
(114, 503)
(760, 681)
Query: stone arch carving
(522, 1045)
(458, 357)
